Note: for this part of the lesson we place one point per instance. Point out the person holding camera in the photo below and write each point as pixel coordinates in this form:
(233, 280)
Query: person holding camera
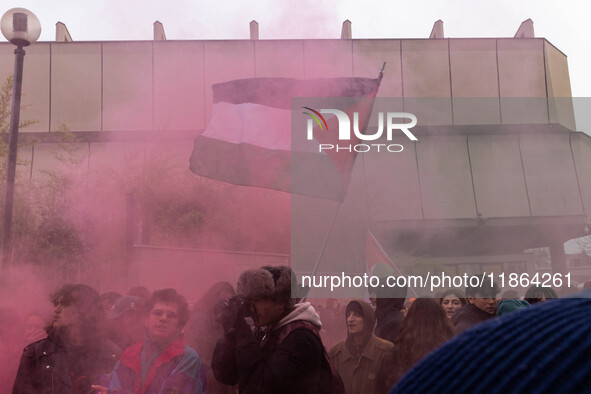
(284, 354)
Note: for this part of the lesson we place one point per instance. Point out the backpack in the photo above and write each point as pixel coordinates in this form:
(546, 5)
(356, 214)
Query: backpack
(330, 380)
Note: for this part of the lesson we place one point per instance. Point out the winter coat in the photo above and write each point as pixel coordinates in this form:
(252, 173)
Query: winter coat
(295, 363)
(389, 318)
(46, 366)
(176, 370)
(467, 316)
(364, 369)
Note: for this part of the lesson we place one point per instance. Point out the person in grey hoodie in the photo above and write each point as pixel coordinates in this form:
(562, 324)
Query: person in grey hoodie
(285, 353)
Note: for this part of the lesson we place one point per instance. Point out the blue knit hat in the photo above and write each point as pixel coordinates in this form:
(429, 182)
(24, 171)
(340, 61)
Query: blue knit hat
(545, 348)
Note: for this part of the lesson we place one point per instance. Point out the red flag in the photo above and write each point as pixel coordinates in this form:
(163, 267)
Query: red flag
(375, 254)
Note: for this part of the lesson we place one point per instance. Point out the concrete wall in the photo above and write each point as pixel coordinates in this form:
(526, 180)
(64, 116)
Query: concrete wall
(581, 146)
(166, 85)
(163, 87)
(486, 175)
(122, 94)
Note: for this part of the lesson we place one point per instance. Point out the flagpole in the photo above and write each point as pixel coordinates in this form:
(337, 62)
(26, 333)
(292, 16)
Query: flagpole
(398, 271)
(326, 239)
(334, 216)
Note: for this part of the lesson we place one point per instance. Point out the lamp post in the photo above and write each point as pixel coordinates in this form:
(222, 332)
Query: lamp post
(21, 27)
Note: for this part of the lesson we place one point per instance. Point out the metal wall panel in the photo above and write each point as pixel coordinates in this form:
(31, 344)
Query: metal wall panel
(127, 86)
(76, 83)
(179, 99)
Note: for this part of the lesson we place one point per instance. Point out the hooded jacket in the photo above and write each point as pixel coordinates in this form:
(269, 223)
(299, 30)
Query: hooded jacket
(277, 363)
(364, 369)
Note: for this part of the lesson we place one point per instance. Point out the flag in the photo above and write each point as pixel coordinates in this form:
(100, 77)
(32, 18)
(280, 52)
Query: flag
(248, 140)
(375, 254)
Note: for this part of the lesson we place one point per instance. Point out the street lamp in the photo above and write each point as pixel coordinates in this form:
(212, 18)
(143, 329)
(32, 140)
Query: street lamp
(21, 27)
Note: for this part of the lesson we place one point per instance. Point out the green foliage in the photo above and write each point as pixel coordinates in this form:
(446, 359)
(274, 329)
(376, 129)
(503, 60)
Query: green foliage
(73, 215)
(5, 111)
(42, 219)
(176, 218)
(169, 202)
(69, 152)
(40, 231)
(56, 239)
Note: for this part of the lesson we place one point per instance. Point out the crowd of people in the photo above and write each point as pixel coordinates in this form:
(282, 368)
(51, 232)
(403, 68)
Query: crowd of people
(252, 338)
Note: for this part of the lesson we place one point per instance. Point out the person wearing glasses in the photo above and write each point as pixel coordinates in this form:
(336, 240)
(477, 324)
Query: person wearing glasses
(75, 352)
(161, 363)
